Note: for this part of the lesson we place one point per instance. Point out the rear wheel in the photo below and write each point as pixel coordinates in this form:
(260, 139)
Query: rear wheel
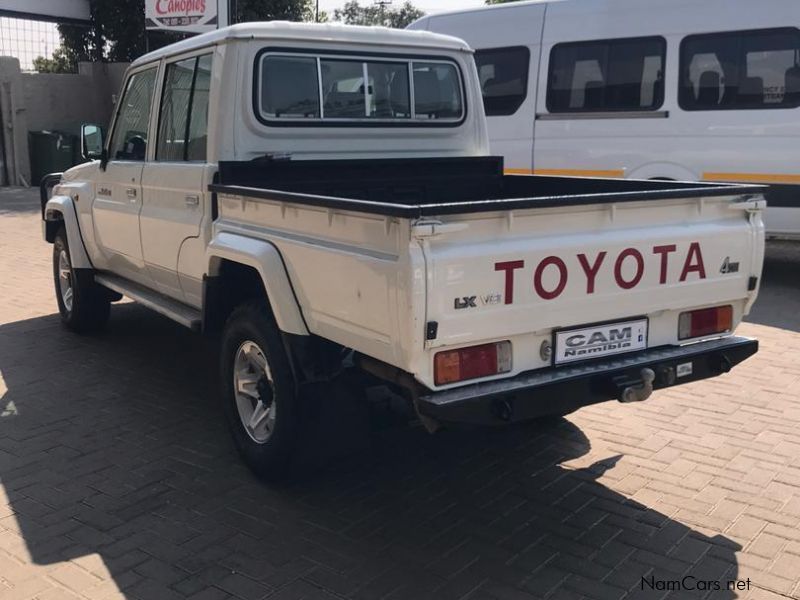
(258, 392)
(83, 305)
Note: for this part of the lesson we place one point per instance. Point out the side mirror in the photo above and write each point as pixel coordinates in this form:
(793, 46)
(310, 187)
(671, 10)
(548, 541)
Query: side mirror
(92, 141)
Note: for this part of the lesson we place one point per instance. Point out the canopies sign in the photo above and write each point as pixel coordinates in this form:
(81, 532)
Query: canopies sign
(192, 16)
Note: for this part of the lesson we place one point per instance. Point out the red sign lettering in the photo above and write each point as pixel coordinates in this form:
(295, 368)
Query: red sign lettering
(664, 252)
(562, 281)
(693, 263)
(509, 267)
(632, 283)
(591, 271)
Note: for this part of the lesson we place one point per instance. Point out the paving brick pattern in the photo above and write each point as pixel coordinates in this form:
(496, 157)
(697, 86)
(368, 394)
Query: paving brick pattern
(118, 480)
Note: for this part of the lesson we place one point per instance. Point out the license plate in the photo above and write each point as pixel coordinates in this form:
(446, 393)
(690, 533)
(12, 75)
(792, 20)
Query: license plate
(597, 341)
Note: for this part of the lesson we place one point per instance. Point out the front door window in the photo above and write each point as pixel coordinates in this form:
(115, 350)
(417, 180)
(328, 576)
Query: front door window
(129, 140)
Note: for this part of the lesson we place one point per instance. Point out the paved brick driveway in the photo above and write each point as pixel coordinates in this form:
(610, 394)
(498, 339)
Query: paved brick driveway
(117, 478)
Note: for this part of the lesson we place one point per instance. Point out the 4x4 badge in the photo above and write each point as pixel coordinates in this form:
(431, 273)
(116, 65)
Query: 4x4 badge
(728, 266)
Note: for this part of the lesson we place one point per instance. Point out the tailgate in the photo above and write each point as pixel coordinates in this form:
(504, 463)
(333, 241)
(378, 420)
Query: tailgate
(523, 275)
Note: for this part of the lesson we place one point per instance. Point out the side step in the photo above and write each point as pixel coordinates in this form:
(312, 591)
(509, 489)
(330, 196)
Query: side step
(172, 309)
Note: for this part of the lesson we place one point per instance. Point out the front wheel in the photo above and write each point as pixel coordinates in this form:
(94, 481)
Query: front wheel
(83, 305)
(258, 392)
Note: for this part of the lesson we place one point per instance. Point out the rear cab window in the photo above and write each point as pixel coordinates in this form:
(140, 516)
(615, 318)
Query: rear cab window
(607, 75)
(319, 89)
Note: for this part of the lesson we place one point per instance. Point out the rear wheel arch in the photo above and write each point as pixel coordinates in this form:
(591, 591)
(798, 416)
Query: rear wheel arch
(228, 285)
(240, 269)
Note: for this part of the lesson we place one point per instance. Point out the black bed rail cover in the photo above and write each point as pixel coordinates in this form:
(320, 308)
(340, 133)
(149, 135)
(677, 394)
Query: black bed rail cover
(413, 188)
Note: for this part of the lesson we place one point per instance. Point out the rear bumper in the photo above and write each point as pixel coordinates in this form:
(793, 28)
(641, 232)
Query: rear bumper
(561, 390)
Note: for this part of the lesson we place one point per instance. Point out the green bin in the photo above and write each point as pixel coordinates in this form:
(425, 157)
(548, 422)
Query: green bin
(51, 152)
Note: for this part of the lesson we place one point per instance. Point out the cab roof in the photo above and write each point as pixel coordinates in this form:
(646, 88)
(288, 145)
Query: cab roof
(313, 32)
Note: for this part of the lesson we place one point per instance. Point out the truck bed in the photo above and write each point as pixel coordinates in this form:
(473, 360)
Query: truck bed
(510, 258)
(413, 188)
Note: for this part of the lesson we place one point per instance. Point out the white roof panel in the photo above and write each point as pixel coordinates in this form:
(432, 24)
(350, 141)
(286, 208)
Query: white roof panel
(312, 32)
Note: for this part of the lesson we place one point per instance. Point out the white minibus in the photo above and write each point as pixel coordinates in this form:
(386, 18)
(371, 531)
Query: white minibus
(646, 89)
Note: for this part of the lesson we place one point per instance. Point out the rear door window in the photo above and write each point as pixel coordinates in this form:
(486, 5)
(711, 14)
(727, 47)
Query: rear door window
(183, 118)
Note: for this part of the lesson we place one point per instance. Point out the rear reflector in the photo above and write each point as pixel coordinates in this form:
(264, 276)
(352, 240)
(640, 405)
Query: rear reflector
(705, 321)
(472, 362)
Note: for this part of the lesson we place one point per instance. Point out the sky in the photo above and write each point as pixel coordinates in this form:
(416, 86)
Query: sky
(429, 6)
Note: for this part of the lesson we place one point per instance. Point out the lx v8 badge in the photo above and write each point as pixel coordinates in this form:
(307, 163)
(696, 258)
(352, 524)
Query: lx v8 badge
(472, 301)
(465, 302)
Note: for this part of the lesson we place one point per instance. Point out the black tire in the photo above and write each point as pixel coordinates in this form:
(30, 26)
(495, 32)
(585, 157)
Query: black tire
(87, 310)
(270, 458)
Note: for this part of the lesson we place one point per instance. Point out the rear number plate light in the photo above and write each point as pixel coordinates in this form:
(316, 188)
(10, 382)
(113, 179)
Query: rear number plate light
(472, 362)
(706, 321)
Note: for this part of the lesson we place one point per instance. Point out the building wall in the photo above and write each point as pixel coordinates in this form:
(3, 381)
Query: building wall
(51, 102)
(63, 102)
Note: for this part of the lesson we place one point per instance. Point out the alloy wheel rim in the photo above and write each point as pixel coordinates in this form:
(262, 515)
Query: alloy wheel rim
(65, 280)
(254, 391)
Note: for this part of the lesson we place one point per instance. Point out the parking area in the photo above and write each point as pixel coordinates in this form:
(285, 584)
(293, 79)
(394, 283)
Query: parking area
(118, 479)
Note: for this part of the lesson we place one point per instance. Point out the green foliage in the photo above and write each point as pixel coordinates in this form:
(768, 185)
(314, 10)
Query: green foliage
(116, 31)
(500, 1)
(271, 10)
(59, 63)
(353, 13)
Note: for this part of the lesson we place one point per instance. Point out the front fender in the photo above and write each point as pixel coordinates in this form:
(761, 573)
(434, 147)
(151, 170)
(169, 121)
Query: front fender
(265, 258)
(58, 210)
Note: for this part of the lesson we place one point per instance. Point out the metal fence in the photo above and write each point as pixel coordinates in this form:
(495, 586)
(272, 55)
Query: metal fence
(26, 40)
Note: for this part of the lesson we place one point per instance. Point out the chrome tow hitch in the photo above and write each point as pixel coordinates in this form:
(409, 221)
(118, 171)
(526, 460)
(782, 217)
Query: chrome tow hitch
(636, 390)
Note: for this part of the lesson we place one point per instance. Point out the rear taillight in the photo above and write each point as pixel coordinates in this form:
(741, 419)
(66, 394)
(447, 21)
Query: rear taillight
(705, 321)
(472, 362)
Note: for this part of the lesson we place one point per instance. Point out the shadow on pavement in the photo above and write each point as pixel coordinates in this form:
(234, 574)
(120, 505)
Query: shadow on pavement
(114, 445)
(780, 288)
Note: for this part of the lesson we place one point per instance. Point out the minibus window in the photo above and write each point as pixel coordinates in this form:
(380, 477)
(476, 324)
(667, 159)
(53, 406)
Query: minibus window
(741, 70)
(607, 75)
(503, 74)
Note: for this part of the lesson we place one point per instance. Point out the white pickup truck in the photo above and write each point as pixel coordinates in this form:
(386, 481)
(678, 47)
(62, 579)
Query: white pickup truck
(322, 199)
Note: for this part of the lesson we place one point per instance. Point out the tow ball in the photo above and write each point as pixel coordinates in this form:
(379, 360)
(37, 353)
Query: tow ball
(636, 390)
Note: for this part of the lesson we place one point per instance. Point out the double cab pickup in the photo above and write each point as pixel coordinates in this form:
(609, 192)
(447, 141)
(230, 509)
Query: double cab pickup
(322, 200)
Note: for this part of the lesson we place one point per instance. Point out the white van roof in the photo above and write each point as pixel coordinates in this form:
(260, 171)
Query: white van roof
(490, 7)
(314, 32)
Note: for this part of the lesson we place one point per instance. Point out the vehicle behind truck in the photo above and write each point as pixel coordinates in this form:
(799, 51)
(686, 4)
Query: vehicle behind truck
(321, 200)
(643, 89)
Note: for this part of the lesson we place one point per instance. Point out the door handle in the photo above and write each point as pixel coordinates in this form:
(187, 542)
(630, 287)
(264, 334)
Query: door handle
(192, 200)
(131, 192)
